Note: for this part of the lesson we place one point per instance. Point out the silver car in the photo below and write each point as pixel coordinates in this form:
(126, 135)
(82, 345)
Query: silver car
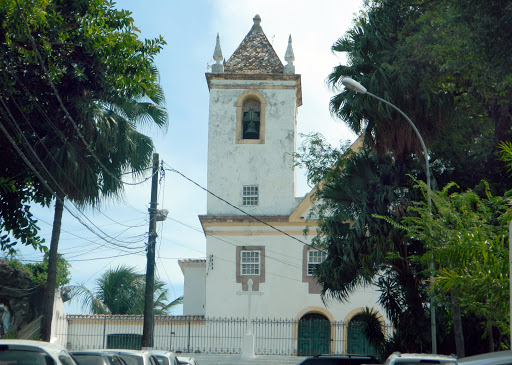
(491, 358)
(398, 358)
(135, 357)
(165, 357)
(21, 352)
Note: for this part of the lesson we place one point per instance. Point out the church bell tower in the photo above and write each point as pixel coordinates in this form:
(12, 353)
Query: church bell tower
(252, 128)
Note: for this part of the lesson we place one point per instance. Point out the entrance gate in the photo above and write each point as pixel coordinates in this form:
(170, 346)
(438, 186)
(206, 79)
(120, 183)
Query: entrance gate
(314, 335)
(357, 342)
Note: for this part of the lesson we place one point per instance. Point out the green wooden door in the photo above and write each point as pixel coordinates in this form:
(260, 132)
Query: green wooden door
(314, 335)
(357, 341)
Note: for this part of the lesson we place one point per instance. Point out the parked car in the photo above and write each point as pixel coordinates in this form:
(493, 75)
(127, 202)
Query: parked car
(165, 357)
(415, 359)
(341, 359)
(97, 357)
(28, 352)
(187, 360)
(490, 358)
(135, 357)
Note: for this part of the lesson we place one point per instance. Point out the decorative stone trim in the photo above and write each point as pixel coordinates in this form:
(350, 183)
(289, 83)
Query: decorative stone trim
(255, 279)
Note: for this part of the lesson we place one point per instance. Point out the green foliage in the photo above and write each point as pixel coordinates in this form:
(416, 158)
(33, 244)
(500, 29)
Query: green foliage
(465, 236)
(434, 61)
(364, 250)
(78, 82)
(122, 291)
(40, 271)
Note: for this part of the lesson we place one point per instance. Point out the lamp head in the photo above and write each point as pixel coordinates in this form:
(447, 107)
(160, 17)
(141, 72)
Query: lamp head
(353, 85)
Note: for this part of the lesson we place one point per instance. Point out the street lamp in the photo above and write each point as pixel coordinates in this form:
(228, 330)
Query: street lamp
(357, 87)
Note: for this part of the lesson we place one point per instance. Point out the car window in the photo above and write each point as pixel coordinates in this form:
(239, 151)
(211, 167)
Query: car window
(66, 360)
(153, 360)
(114, 360)
(162, 360)
(132, 360)
(25, 357)
(89, 359)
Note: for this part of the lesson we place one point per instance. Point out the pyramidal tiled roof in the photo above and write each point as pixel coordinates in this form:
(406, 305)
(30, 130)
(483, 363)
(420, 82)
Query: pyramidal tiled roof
(255, 54)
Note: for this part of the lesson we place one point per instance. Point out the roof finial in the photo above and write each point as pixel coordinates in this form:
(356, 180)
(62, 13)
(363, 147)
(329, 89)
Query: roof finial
(289, 57)
(256, 27)
(217, 56)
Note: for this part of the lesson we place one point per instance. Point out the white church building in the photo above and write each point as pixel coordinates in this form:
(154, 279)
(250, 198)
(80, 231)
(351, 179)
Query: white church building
(254, 224)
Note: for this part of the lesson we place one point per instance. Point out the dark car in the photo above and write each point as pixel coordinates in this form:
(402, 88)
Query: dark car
(100, 357)
(343, 359)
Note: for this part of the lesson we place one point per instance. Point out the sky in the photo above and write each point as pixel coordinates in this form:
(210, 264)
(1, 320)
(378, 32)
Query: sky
(190, 29)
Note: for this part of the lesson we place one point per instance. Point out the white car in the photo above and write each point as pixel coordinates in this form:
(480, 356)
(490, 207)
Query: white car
(490, 358)
(21, 352)
(135, 357)
(187, 360)
(165, 357)
(397, 358)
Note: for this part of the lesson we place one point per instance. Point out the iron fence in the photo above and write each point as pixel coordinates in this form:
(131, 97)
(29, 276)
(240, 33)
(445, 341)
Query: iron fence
(197, 334)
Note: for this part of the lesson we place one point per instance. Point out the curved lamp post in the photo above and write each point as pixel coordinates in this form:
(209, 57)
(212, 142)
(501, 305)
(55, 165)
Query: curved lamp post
(357, 87)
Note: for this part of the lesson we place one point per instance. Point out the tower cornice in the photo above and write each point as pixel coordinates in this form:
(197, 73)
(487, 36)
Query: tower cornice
(250, 78)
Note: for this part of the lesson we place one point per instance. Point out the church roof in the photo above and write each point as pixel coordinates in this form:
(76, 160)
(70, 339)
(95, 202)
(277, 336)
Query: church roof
(255, 54)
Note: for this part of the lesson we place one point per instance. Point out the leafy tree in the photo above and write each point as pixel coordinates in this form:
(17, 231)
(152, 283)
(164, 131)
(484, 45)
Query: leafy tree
(363, 250)
(40, 271)
(80, 68)
(465, 235)
(428, 58)
(121, 291)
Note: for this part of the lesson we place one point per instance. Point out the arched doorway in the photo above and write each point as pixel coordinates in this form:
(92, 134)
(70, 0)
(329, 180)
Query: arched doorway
(314, 335)
(357, 343)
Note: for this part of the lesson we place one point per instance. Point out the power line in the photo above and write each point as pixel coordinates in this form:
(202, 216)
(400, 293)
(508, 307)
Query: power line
(241, 210)
(8, 117)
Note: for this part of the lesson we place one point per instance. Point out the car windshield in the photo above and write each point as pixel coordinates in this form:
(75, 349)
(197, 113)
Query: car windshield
(162, 360)
(24, 357)
(89, 359)
(131, 359)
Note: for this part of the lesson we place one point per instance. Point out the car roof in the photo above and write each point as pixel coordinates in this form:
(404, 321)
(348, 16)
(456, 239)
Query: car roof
(162, 352)
(487, 358)
(129, 352)
(93, 352)
(51, 348)
(417, 357)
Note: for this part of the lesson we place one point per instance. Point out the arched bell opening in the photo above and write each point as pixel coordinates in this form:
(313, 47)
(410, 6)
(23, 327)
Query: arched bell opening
(251, 119)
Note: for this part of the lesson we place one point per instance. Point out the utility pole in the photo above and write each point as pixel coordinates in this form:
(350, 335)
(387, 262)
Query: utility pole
(147, 330)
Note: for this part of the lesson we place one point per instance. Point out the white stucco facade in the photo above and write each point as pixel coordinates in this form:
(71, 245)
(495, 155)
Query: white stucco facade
(262, 241)
(286, 291)
(194, 286)
(268, 165)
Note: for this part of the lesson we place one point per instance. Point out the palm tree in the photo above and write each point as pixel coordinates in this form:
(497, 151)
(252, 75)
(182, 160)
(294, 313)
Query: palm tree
(377, 60)
(364, 250)
(121, 291)
(91, 137)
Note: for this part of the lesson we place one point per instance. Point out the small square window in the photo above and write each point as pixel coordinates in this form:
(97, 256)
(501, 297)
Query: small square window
(250, 263)
(315, 258)
(250, 195)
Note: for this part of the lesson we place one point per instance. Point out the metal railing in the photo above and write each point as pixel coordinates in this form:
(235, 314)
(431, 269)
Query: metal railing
(197, 334)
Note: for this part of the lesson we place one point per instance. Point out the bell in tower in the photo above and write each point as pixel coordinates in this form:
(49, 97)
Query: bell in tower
(251, 124)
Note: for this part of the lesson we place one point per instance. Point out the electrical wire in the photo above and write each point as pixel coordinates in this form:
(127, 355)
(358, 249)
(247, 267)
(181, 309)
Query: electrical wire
(241, 210)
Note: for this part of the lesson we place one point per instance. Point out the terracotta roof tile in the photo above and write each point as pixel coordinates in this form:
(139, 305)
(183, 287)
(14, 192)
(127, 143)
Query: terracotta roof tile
(255, 54)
